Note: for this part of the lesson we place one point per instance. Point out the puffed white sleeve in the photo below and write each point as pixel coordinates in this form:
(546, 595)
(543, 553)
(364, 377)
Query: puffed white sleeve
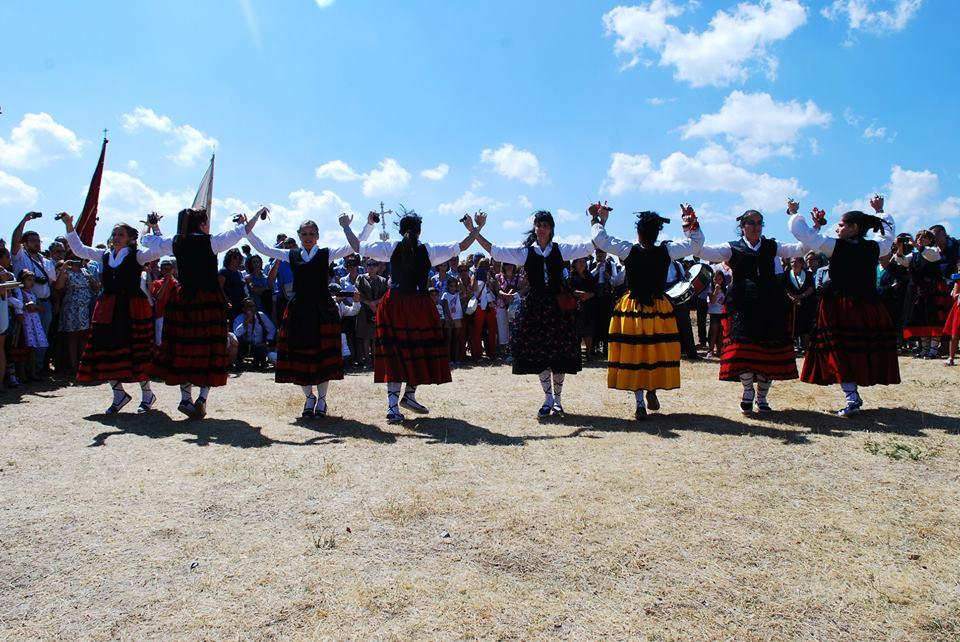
(442, 252)
(716, 253)
(365, 232)
(515, 255)
(789, 250)
(610, 244)
(811, 239)
(931, 254)
(264, 249)
(155, 243)
(225, 240)
(378, 250)
(81, 250)
(885, 241)
(689, 245)
(574, 251)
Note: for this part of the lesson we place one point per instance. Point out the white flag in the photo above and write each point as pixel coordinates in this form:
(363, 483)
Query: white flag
(204, 197)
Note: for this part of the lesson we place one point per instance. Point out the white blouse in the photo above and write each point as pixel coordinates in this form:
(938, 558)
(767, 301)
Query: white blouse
(517, 255)
(383, 250)
(144, 256)
(284, 255)
(218, 242)
(621, 249)
(721, 253)
(814, 241)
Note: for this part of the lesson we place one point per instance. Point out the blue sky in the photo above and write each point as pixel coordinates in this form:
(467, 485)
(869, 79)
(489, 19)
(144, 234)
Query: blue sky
(314, 108)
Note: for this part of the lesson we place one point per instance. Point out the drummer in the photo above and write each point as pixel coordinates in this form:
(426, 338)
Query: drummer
(644, 343)
(678, 281)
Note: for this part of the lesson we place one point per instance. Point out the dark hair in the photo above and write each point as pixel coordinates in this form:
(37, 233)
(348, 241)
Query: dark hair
(938, 226)
(540, 216)
(745, 215)
(249, 260)
(308, 223)
(649, 225)
(232, 253)
(190, 220)
(410, 225)
(28, 234)
(864, 222)
(22, 274)
(131, 231)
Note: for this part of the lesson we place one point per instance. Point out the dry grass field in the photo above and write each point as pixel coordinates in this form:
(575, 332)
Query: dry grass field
(478, 521)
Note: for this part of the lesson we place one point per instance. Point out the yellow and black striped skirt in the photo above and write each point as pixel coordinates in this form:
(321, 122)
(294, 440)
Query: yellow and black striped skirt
(644, 346)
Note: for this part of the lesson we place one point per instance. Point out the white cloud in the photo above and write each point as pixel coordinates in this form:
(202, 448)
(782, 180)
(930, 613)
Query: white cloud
(727, 51)
(37, 141)
(14, 191)
(710, 170)
(860, 15)
(191, 143)
(476, 183)
(852, 119)
(524, 202)
(874, 132)
(513, 163)
(339, 171)
(323, 208)
(912, 197)
(250, 17)
(127, 198)
(323, 4)
(565, 216)
(438, 173)
(757, 126)
(512, 225)
(657, 101)
(470, 202)
(389, 179)
(814, 146)
(133, 165)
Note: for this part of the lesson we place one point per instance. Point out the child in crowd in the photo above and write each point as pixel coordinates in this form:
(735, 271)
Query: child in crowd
(715, 309)
(452, 317)
(34, 337)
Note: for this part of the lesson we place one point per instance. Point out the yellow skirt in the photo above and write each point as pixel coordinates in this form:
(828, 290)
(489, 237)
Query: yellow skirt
(644, 346)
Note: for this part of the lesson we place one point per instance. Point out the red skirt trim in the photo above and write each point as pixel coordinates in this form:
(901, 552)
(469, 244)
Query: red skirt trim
(773, 360)
(193, 348)
(120, 343)
(952, 326)
(410, 345)
(854, 341)
(310, 365)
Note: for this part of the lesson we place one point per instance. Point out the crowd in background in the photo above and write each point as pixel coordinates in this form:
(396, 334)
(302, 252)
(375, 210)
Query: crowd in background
(45, 320)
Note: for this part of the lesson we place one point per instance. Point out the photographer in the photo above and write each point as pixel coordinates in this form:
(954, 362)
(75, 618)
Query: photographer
(79, 288)
(255, 332)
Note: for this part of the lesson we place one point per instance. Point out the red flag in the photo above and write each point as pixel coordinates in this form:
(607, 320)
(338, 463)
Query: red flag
(88, 217)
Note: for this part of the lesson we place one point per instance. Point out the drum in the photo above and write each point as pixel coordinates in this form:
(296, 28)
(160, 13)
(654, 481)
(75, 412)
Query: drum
(686, 291)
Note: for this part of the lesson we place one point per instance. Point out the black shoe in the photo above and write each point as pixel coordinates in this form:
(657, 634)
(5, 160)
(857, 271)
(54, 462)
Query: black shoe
(652, 402)
(763, 407)
(201, 407)
(640, 414)
(187, 408)
(557, 409)
(147, 406)
(319, 412)
(545, 410)
(851, 410)
(309, 406)
(746, 407)
(412, 404)
(394, 418)
(117, 407)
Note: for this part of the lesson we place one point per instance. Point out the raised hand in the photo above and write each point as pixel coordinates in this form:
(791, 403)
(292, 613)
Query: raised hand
(480, 218)
(373, 217)
(819, 217)
(67, 219)
(689, 217)
(345, 219)
(263, 212)
(29, 216)
(467, 222)
(792, 206)
(877, 203)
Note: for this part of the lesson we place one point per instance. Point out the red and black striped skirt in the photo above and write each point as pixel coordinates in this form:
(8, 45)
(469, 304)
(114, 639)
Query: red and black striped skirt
(929, 313)
(773, 359)
(952, 326)
(309, 349)
(193, 348)
(120, 343)
(410, 345)
(855, 341)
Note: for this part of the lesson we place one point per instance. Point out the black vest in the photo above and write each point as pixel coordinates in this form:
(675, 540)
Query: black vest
(754, 276)
(853, 268)
(533, 267)
(410, 276)
(310, 278)
(647, 272)
(924, 272)
(196, 263)
(123, 280)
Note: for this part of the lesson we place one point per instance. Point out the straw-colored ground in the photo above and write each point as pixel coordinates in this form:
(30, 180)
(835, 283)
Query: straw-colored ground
(481, 522)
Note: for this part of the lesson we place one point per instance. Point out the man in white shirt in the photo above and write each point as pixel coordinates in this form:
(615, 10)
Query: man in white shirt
(25, 255)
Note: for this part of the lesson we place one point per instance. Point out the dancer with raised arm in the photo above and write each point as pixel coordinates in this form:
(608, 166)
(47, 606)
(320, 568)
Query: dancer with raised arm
(410, 346)
(309, 350)
(854, 342)
(193, 345)
(545, 341)
(757, 348)
(120, 343)
(644, 343)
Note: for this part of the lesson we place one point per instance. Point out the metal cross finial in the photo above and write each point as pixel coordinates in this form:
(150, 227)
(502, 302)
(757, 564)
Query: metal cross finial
(384, 235)
(105, 133)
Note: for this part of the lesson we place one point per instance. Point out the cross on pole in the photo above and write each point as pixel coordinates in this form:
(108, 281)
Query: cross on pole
(384, 235)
